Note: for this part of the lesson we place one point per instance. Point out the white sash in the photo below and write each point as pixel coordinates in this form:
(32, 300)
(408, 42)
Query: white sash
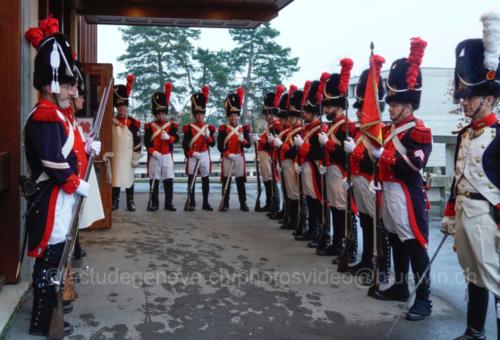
(159, 129)
(291, 135)
(331, 131)
(398, 145)
(310, 133)
(199, 132)
(234, 131)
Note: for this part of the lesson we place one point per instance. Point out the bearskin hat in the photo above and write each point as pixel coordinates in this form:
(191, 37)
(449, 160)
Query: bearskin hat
(404, 83)
(54, 64)
(295, 104)
(310, 100)
(121, 93)
(160, 101)
(234, 102)
(361, 87)
(337, 86)
(477, 71)
(199, 100)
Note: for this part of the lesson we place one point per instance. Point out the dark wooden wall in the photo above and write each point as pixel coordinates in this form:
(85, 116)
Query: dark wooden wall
(10, 97)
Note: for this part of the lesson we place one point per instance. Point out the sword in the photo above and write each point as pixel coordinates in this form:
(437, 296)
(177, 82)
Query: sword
(226, 185)
(419, 282)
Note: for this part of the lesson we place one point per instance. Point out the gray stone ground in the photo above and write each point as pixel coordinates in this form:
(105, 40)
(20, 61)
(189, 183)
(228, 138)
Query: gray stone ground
(205, 275)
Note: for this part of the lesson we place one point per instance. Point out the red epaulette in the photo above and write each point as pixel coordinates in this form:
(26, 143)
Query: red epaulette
(211, 128)
(186, 128)
(277, 125)
(175, 125)
(421, 133)
(324, 127)
(136, 122)
(45, 114)
(222, 128)
(147, 126)
(246, 128)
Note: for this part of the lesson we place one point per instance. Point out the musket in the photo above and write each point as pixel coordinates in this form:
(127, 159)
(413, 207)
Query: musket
(377, 236)
(226, 186)
(56, 329)
(257, 170)
(302, 212)
(191, 185)
(324, 224)
(349, 221)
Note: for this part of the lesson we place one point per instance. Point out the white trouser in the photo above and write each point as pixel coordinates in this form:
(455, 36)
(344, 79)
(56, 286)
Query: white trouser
(307, 180)
(336, 193)
(475, 232)
(162, 168)
(364, 197)
(291, 179)
(238, 168)
(266, 171)
(395, 211)
(204, 167)
(65, 206)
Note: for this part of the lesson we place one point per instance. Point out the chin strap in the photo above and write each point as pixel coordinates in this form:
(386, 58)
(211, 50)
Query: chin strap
(478, 109)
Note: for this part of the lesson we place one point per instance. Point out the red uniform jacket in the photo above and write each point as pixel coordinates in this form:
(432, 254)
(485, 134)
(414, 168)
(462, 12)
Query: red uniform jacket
(152, 136)
(201, 143)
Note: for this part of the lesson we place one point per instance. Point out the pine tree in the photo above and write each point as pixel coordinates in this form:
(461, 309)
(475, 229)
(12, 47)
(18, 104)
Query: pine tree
(157, 55)
(263, 61)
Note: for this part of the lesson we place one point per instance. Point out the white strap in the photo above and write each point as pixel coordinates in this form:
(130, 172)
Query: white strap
(310, 133)
(404, 153)
(395, 132)
(199, 132)
(333, 129)
(159, 129)
(291, 135)
(234, 131)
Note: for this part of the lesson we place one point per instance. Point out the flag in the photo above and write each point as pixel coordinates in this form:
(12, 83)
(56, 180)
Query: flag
(371, 122)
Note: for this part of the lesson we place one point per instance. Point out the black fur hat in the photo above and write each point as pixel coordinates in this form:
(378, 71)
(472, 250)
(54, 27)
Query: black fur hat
(295, 104)
(160, 101)
(361, 88)
(283, 106)
(268, 107)
(80, 79)
(234, 102)
(332, 95)
(121, 93)
(311, 103)
(199, 100)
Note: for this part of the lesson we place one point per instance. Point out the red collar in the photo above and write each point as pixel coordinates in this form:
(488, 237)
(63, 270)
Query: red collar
(407, 120)
(200, 124)
(338, 118)
(484, 122)
(47, 104)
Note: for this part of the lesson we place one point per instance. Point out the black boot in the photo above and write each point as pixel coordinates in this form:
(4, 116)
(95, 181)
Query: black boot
(205, 187)
(154, 202)
(338, 221)
(302, 218)
(366, 257)
(168, 187)
(129, 192)
(267, 187)
(274, 212)
(315, 206)
(192, 203)
(242, 194)
(225, 206)
(45, 298)
(115, 198)
(477, 309)
(312, 218)
(290, 218)
(419, 259)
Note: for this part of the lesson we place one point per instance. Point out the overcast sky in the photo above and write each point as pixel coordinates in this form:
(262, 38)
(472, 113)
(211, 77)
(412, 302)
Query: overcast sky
(321, 32)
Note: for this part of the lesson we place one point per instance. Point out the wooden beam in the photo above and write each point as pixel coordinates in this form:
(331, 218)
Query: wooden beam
(175, 11)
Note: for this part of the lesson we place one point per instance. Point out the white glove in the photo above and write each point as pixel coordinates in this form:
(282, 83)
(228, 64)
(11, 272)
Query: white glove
(349, 145)
(277, 142)
(91, 145)
(254, 138)
(136, 157)
(374, 188)
(156, 155)
(297, 168)
(241, 138)
(232, 156)
(165, 135)
(322, 138)
(322, 170)
(207, 132)
(297, 140)
(345, 184)
(196, 155)
(448, 225)
(270, 138)
(83, 188)
(377, 153)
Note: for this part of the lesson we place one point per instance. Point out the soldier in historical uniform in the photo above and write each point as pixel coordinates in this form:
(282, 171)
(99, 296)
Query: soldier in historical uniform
(288, 152)
(406, 150)
(362, 166)
(335, 105)
(266, 152)
(198, 138)
(310, 157)
(159, 137)
(473, 210)
(233, 137)
(57, 156)
(126, 146)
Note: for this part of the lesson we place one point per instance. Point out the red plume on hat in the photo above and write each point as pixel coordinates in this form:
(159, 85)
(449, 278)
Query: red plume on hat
(130, 84)
(307, 86)
(378, 61)
(206, 92)
(322, 84)
(34, 35)
(345, 74)
(291, 90)
(280, 89)
(240, 91)
(414, 61)
(168, 87)
(49, 26)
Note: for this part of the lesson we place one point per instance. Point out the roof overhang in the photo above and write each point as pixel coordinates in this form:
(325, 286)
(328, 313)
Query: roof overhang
(184, 13)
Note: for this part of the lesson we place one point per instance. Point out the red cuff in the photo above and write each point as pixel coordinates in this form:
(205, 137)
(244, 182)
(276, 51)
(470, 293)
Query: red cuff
(449, 209)
(190, 153)
(172, 139)
(151, 150)
(71, 184)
